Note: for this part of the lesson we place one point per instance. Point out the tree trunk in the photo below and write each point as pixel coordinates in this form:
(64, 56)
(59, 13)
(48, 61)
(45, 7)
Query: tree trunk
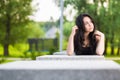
(7, 36)
(112, 44)
(112, 50)
(118, 50)
(6, 51)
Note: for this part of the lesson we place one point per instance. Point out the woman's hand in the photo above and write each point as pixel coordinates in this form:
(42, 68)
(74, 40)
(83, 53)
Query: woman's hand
(74, 28)
(98, 35)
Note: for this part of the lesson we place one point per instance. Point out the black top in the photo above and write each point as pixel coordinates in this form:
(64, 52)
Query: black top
(86, 51)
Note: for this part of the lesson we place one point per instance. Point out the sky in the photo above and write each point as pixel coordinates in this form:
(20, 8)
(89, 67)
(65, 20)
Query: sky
(45, 10)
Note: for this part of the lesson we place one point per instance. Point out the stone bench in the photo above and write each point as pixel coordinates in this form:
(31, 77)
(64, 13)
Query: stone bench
(66, 57)
(60, 53)
(61, 69)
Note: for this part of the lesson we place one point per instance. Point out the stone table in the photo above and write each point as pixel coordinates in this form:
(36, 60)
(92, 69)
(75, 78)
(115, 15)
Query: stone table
(61, 69)
(66, 57)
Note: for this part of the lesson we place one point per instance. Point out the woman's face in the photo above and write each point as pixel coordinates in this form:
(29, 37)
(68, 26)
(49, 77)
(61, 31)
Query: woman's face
(89, 26)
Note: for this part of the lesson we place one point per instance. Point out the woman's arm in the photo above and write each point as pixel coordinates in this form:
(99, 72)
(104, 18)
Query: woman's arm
(70, 47)
(100, 42)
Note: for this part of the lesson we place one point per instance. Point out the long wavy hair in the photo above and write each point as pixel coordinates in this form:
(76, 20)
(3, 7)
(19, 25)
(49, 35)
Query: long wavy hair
(79, 36)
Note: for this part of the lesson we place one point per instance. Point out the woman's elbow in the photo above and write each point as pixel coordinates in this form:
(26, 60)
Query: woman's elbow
(69, 52)
(100, 53)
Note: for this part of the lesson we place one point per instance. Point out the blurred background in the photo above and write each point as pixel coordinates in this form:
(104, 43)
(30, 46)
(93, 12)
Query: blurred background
(31, 28)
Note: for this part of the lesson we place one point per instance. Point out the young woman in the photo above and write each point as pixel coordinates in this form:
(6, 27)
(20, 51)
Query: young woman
(84, 38)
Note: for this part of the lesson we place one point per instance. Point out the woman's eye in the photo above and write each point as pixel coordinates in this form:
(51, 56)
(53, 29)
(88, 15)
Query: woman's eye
(86, 23)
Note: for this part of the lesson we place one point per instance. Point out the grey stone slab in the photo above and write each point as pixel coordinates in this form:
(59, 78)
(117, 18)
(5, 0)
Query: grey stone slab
(63, 64)
(60, 70)
(60, 75)
(66, 57)
(60, 53)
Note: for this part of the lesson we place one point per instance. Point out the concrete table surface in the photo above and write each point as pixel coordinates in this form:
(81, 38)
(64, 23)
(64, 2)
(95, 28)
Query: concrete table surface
(60, 70)
(66, 57)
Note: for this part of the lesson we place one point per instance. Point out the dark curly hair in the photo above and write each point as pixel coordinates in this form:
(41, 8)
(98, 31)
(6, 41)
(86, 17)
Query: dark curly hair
(79, 36)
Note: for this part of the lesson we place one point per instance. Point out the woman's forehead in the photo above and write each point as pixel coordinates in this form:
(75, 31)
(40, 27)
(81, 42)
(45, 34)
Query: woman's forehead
(86, 19)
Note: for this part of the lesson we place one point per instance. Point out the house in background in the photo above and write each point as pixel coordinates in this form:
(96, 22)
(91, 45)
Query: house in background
(51, 33)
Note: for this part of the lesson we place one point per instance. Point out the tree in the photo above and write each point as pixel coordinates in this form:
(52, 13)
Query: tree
(35, 30)
(13, 17)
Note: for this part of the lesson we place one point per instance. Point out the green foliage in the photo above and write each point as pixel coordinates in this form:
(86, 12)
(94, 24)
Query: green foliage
(1, 50)
(35, 30)
(67, 28)
(52, 50)
(13, 18)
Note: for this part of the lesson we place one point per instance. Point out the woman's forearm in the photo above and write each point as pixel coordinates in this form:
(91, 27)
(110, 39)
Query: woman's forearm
(101, 45)
(70, 47)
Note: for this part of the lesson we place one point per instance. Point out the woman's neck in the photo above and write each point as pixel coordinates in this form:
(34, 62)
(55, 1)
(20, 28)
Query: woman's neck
(86, 35)
(86, 40)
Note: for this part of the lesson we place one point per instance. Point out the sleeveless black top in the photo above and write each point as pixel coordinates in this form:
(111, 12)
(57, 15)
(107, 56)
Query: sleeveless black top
(86, 51)
(79, 48)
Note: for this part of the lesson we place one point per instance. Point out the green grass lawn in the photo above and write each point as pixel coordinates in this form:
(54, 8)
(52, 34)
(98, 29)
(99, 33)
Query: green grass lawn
(118, 61)
(5, 61)
(115, 58)
(21, 51)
